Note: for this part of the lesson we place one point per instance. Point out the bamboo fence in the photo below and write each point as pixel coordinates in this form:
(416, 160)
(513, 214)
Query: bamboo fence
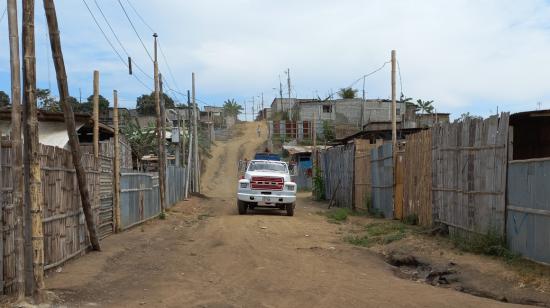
(418, 177)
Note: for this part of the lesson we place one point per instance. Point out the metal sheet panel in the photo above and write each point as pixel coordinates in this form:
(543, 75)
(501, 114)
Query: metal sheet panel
(382, 179)
(528, 209)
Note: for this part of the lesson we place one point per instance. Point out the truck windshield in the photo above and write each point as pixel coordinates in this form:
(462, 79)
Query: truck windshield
(266, 166)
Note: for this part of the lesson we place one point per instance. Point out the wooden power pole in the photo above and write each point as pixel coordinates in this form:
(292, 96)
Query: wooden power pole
(196, 166)
(17, 150)
(393, 104)
(95, 114)
(190, 145)
(32, 148)
(159, 125)
(162, 149)
(63, 87)
(116, 165)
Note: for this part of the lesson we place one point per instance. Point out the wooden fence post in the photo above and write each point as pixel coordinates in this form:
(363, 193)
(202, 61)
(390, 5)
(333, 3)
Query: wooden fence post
(95, 114)
(32, 147)
(16, 149)
(116, 165)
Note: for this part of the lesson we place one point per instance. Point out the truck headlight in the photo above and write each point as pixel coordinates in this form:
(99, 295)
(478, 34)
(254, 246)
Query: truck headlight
(244, 185)
(290, 187)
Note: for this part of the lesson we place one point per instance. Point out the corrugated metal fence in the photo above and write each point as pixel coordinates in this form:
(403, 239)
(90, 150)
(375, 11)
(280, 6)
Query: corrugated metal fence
(139, 198)
(382, 179)
(528, 217)
(175, 185)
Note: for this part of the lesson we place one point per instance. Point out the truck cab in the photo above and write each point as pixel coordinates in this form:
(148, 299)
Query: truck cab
(266, 184)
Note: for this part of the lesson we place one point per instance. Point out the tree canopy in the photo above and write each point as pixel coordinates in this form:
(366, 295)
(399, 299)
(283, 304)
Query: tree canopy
(4, 99)
(103, 103)
(231, 108)
(145, 104)
(347, 92)
(425, 106)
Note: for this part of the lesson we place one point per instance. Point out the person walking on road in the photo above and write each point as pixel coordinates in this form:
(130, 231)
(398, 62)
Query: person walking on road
(258, 131)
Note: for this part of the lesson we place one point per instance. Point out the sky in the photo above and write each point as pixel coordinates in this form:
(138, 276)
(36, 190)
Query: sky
(467, 56)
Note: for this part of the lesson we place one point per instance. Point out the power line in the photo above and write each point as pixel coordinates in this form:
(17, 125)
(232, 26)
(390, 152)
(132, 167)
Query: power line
(369, 74)
(119, 42)
(4, 13)
(139, 15)
(135, 30)
(168, 65)
(177, 91)
(400, 80)
(111, 44)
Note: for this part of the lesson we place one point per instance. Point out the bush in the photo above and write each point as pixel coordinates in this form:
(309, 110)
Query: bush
(490, 244)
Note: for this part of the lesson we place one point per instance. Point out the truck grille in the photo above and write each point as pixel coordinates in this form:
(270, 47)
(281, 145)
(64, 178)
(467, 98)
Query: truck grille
(267, 183)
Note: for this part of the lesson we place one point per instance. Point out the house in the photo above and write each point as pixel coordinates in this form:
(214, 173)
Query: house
(52, 130)
(356, 111)
(280, 105)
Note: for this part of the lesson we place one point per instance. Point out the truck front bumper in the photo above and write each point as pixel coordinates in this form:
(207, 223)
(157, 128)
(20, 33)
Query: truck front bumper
(258, 197)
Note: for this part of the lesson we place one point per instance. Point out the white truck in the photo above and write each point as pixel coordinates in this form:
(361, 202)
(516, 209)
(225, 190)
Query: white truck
(266, 184)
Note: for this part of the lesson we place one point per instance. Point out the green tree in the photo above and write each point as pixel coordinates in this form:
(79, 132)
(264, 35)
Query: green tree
(347, 92)
(78, 107)
(328, 131)
(145, 104)
(143, 141)
(231, 108)
(4, 99)
(425, 106)
(103, 103)
(46, 101)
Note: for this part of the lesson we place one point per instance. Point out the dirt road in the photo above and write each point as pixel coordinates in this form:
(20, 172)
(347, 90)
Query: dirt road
(205, 255)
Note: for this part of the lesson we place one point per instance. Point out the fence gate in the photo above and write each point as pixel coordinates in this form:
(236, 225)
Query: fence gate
(382, 179)
(528, 208)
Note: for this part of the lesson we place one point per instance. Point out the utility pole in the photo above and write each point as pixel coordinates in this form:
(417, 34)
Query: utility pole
(68, 114)
(190, 144)
(363, 103)
(32, 148)
(17, 150)
(196, 137)
(96, 114)
(393, 104)
(245, 118)
(263, 110)
(159, 125)
(253, 111)
(116, 165)
(162, 148)
(281, 94)
(290, 106)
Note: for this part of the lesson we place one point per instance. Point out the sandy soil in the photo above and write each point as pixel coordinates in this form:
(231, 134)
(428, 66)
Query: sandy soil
(205, 255)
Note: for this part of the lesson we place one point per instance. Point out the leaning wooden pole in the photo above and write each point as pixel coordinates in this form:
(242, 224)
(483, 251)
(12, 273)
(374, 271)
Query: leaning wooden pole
(116, 165)
(32, 147)
(63, 87)
(17, 150)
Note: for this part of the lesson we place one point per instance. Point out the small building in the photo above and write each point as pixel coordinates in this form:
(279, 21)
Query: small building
(52, 130)
(302, 160)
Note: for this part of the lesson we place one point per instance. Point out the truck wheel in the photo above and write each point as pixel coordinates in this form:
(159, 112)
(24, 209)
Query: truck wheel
(290, 209)
(242, 207)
